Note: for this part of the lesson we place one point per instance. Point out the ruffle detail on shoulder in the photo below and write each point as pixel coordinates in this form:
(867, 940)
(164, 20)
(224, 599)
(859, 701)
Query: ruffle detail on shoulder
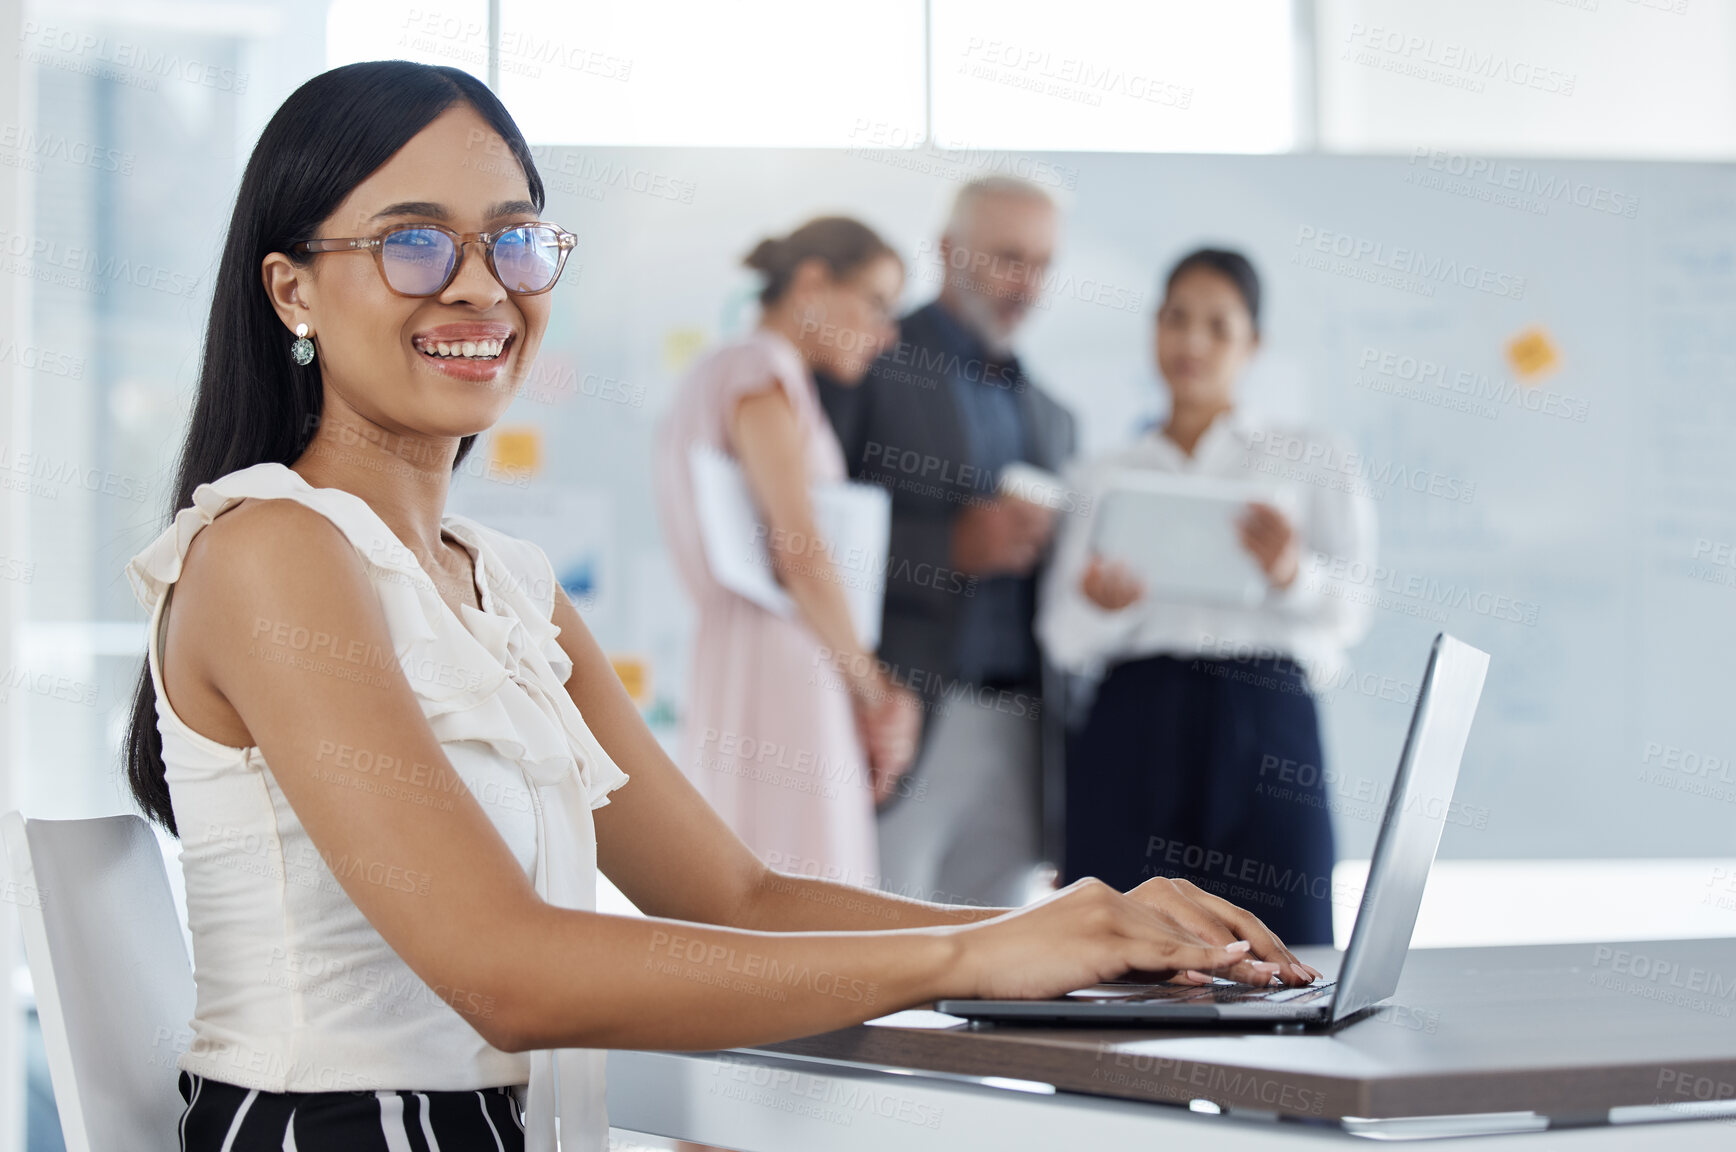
(152, 570)
(459, 673)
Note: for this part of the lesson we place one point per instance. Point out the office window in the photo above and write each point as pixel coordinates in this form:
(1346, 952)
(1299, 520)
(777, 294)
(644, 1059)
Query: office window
(755, 73)
(1615, 78)
(1114, 75)
(142, 118)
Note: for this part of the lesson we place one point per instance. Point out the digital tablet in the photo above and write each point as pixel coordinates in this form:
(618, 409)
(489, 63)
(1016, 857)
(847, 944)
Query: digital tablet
(1180, 537)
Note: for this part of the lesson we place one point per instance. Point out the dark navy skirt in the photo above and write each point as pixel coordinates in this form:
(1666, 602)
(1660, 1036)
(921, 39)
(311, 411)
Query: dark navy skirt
(221, 1117)
(1208, 770)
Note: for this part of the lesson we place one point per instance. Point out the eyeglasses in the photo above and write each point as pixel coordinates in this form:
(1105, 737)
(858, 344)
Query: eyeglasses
(422, 259)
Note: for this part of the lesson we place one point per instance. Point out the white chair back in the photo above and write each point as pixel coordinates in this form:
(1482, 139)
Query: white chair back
(114, 990)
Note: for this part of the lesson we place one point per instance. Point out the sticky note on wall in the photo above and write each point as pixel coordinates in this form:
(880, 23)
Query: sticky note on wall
(1533, 354)
(634, 672)
(517, 449)
(680, 346)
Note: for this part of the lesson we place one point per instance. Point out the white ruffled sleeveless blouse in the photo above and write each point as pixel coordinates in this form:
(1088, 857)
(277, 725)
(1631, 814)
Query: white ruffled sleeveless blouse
(296, 991)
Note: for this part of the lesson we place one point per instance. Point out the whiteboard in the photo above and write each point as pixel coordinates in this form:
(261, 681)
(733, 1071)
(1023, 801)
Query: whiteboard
(1581, 530)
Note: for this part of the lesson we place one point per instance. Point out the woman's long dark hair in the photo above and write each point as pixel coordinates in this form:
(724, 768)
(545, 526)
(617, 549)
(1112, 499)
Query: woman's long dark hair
(255, 404)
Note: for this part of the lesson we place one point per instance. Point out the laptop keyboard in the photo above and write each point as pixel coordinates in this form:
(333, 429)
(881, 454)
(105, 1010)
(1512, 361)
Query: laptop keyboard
(1231, 993)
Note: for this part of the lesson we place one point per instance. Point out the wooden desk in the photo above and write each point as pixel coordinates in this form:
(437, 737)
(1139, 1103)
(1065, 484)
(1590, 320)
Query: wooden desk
(1548, 1036)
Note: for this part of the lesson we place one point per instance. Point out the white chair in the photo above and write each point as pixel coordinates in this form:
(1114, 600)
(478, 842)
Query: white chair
(114, 990)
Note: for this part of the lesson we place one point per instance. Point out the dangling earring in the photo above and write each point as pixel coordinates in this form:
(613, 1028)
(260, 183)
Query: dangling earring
(302, 348)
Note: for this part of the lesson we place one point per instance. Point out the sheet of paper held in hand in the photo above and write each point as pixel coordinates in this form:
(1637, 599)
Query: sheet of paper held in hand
(1181, 537)
(855, 526)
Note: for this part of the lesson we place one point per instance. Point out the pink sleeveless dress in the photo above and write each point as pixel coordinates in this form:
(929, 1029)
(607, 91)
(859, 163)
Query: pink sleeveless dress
(768, 735)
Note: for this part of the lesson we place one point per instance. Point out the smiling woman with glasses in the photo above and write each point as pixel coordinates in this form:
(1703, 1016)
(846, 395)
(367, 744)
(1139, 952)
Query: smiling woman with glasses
(392, 751)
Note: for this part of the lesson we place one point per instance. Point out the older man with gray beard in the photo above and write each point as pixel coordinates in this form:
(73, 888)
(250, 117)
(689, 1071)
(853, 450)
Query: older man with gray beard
(937, 421)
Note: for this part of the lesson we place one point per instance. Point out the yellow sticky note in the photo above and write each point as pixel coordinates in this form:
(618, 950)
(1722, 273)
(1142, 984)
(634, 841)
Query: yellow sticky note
(634, 672)
(1533, 354)
(517, 449)
(680, 346)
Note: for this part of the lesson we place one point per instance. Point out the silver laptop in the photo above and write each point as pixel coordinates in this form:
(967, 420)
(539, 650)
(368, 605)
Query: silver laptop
(1409, 835)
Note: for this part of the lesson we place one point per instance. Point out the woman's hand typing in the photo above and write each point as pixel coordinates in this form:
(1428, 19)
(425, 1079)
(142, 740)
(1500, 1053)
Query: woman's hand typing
(1217, 921)
(1088, 933)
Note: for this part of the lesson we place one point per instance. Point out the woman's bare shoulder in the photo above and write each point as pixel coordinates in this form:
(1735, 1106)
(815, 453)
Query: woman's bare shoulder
(231, 577)
(259, 552)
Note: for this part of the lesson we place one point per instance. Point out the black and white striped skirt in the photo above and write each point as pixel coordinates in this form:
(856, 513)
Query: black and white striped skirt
(221, 1117)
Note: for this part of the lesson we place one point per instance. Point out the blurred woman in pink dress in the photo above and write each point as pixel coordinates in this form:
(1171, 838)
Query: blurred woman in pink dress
(791, 730)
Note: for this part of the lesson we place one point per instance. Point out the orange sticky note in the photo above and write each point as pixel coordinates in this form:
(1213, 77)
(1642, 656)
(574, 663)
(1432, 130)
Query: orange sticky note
(517, 449)
(634, 672)
(1533, 354)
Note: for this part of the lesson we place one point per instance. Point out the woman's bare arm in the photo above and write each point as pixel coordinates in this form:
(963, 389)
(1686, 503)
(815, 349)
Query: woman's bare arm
(769, 445)
(270, 583)
(271, 578)
(772, 450)
(672, 855)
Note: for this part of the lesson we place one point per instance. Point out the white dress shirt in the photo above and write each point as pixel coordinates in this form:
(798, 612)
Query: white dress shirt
(1323, 611)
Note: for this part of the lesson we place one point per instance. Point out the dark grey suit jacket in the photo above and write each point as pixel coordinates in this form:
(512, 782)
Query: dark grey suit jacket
(901, 428)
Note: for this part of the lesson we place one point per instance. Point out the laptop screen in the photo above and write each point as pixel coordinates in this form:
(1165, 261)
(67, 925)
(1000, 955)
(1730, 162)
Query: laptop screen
(1416, 814)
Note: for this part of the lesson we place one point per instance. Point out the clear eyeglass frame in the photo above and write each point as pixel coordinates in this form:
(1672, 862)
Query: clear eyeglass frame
(376, 244)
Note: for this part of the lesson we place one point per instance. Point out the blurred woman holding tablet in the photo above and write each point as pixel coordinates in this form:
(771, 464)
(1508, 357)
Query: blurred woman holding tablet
(1200, 756)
